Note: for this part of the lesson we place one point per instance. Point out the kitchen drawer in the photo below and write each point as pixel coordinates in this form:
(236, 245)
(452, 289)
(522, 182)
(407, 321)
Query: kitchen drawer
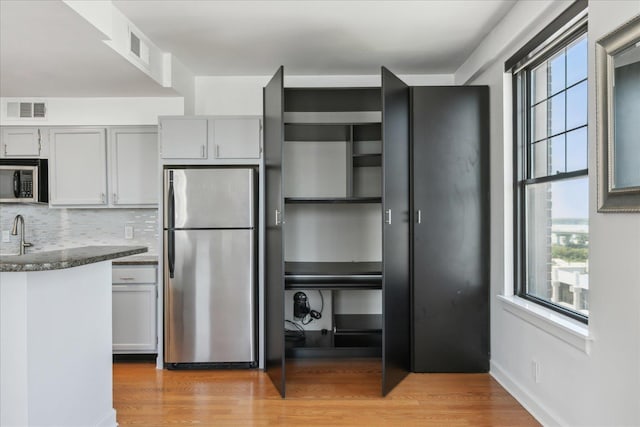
(134, 274)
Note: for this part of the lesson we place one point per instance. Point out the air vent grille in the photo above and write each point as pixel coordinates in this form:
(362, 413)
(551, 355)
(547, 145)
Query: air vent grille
(39, 109)
(26, 110)
(135, 45)
(139, 48)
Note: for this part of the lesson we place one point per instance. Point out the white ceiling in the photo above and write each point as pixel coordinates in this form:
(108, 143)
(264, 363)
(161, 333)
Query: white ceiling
(46, 49)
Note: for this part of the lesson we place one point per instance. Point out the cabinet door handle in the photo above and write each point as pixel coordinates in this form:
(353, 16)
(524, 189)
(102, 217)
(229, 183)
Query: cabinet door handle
(419, 221)
(278, 219)
(202, 151)
(102, 197)
(5, 149)
(388, 214)
(115, 198)
(218, 151)
(39, 142)
(127, 278)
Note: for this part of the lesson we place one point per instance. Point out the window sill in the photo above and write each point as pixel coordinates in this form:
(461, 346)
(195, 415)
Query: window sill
(568, 330)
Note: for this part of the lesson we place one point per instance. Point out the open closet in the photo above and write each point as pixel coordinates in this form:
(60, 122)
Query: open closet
(338, 225)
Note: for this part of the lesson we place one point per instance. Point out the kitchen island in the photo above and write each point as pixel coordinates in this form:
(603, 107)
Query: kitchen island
(55, 337)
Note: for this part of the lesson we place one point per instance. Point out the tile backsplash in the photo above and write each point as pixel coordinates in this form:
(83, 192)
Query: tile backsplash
(51, 229)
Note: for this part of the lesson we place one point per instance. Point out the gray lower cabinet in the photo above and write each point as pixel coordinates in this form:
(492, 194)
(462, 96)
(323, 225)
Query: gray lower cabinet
(134, 301)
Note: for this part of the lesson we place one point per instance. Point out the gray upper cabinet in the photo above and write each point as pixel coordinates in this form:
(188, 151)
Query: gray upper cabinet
(211, 139)
(21, 142)
(236, 137)
(104, 167)
(183, 138)
(133, 166)
(78, 167)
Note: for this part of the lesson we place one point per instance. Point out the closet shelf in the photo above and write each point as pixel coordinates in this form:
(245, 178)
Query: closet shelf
(357, 323)
(298, 284)
(364, 160)
(332, 117)
(367, 275)
(323, 200)
(328, 344)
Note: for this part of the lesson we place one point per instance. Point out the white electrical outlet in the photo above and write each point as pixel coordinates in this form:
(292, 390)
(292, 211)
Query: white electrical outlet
(6, 236)
(128, 232)
(536, 371)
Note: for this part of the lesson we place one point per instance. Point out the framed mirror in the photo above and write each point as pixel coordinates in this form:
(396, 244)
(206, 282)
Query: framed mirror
(618, 118)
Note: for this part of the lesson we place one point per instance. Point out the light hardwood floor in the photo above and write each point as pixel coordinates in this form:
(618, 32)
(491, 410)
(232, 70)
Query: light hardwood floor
(319, 393)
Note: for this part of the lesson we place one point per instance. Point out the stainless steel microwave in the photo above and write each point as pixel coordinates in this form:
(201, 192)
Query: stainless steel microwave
(24, 181)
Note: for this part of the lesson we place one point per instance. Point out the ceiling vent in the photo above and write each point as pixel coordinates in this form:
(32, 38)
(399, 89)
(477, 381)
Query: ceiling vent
(138, 48)
(26, 110)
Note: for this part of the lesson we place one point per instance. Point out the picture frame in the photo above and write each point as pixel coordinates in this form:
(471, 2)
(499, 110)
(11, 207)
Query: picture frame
(618, 118)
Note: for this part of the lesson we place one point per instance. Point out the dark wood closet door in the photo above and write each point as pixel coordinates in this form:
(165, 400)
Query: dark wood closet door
(395, 231)
(450, 187)
(274, 256)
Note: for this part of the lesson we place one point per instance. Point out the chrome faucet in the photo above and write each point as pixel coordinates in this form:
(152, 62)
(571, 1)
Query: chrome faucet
(14, 232)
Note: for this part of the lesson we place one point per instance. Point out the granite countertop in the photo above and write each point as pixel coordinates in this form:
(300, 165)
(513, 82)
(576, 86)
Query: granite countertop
(137, 260)
(65, 258)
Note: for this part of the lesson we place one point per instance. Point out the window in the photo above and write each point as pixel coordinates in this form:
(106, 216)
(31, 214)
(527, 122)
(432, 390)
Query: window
(551, 173)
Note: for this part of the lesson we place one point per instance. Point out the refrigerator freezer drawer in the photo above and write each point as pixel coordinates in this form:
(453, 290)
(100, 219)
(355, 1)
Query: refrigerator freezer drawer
(209, 302)
(209, 198)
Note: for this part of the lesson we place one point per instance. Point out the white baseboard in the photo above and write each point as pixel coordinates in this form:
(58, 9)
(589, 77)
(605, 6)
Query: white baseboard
(539, 411)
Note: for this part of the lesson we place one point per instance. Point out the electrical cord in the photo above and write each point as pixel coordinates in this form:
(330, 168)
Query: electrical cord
(314, 314)
(321, 301)
(294, 335)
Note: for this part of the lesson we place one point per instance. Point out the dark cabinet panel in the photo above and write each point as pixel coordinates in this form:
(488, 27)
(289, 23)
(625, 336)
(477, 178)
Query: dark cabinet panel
(450, 186)
(274, 206)
(395, 231)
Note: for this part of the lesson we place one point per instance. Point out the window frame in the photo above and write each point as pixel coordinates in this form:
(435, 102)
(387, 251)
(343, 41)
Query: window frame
(575, 26)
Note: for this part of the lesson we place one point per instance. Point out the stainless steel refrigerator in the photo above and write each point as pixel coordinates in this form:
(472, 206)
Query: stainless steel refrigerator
(209, 266)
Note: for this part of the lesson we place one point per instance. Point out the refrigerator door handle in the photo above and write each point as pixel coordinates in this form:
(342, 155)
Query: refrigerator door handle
(171, 252)
(171, 203)
(171, 244)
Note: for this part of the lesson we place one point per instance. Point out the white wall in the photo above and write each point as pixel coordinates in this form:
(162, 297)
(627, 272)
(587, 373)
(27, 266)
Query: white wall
(97, 111)
(229, 95)
(239, 95)
(601, 388)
